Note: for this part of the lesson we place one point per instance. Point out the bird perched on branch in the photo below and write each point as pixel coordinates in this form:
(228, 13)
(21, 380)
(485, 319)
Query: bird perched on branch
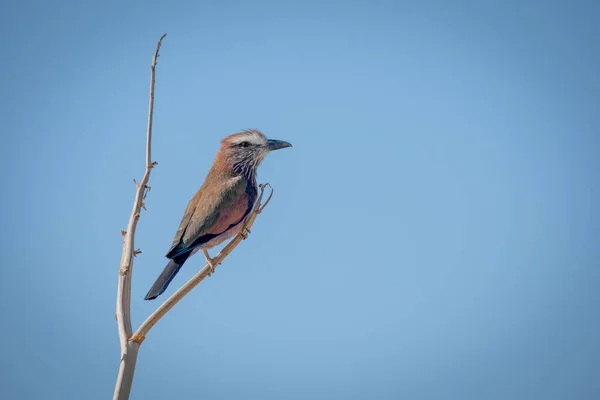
(218, 210)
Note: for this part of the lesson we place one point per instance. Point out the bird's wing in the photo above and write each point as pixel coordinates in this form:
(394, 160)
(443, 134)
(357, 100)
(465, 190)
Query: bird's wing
(210, 213)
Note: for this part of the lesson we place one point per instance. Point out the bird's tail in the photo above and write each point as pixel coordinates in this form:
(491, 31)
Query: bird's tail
(162, 282)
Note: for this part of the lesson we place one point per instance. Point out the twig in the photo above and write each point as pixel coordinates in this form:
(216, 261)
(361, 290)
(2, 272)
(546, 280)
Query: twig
(129, 349)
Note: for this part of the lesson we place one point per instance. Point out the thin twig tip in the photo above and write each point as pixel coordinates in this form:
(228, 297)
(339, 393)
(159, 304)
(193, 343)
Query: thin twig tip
(268, 198)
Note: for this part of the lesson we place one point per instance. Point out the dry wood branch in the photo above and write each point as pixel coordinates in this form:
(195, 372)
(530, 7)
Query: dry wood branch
(128, 349)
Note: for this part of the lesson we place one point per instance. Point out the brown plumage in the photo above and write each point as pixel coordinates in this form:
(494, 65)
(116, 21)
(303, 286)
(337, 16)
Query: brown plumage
(217, 211)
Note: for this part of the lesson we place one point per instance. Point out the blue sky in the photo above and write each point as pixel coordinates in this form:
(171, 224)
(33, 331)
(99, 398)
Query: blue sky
(434, 231)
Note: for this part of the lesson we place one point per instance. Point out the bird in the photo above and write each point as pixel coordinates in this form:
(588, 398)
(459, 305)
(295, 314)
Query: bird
(219, 208)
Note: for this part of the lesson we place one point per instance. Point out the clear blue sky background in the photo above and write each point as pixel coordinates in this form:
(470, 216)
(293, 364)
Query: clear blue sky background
(434, 231)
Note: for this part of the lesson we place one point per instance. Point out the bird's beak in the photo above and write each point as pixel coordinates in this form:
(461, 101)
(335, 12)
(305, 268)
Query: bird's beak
(277, 144)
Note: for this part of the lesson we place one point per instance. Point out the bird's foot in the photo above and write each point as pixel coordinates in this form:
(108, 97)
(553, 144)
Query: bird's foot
(211, 265)
(210, 262)
(244, 233)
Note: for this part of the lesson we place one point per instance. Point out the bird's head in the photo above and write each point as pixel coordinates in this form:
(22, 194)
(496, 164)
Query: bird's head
(245, 151)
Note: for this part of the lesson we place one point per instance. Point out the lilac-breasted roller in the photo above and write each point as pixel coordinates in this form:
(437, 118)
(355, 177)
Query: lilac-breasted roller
(218, 210)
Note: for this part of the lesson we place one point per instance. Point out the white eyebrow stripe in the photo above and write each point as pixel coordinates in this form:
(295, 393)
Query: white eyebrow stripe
(249, 137)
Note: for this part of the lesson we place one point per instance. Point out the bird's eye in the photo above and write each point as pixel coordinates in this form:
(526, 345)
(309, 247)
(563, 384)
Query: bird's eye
(244, 144)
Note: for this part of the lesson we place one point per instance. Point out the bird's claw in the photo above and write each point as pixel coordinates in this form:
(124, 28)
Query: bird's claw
(211, 267)
(210, 262)
(244, 233)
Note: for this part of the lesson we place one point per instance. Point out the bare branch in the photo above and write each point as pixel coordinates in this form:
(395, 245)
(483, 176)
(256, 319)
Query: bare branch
(263, 186)
(128, 351)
